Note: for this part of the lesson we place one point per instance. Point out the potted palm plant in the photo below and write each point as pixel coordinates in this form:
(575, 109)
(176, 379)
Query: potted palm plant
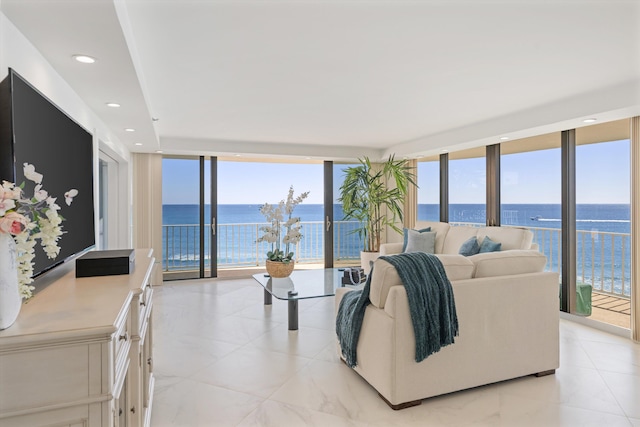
(373, 194)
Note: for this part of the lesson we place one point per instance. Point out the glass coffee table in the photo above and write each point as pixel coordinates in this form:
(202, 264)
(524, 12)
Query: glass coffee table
(302, 284)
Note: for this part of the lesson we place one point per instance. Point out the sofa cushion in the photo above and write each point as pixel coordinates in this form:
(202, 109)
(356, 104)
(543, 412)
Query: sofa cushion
(510, 237)
(385, 276)
(469, 247)
(504, 263)
(456, 236)
(390, 248)
(441, 229)
(489, 245)
(457, 267)
(405, 233)
(420, 241)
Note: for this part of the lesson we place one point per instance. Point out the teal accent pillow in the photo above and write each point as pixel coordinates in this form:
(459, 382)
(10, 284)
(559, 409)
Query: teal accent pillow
(489, 245)
(406, 235)
(470, 247)
(421, 241)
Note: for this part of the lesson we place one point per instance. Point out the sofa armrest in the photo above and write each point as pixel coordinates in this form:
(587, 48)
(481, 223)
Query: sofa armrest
(390, 248)
(340, 292)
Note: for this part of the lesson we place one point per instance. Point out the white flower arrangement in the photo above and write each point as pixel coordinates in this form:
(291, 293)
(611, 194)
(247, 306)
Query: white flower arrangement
(31, 219)
(273, 233)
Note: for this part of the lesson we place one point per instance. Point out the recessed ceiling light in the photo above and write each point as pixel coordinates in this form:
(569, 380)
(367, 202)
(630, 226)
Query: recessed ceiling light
(85, 59)
(129, 130)
(159, 151)
(591, 120)
(113, 104)
(504, 138)
(237, 155)
(138, 143)
(444, 151)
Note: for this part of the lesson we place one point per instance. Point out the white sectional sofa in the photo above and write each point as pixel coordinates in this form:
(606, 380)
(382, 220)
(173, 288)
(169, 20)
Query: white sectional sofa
(508, 315)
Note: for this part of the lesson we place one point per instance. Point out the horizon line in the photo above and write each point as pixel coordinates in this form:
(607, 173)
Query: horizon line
(433, 204)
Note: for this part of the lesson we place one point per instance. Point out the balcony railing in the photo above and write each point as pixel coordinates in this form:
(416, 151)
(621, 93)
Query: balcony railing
(238, 245)
(603, 258)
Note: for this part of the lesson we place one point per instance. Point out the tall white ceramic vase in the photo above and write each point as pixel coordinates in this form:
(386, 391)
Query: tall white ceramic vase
(10, 300)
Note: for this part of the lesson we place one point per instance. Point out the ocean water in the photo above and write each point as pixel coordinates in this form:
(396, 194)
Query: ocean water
(237, 232)
(603, 259)
(610, 218)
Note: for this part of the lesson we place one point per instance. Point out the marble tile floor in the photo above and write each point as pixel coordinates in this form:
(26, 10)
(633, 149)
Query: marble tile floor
(222, 358)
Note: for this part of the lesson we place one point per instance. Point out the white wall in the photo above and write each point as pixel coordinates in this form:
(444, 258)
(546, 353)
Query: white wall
(18, 53)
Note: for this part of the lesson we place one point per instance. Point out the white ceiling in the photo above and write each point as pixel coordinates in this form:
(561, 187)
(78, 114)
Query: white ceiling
(339, 79)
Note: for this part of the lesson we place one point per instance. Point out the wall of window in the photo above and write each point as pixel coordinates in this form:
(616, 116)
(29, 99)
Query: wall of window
(429, 189)
(347, 244)
(531, 192)
(244, 186)
(181, 229)
(603, 226)
(467, 186)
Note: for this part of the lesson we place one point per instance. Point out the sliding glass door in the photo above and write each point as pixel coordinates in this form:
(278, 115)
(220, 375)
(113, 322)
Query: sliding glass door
(346, 241)
(212, 221)
(246, 185)
(603, 223)
(187, 218)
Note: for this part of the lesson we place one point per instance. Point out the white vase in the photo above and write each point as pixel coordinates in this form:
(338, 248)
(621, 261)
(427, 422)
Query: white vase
(10, 300)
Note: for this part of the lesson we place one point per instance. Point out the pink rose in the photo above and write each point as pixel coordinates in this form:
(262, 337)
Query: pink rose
(13, 223)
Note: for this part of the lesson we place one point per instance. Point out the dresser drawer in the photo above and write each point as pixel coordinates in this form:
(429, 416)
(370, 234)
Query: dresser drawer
(122, 344)
(144, 307)
(122, 336)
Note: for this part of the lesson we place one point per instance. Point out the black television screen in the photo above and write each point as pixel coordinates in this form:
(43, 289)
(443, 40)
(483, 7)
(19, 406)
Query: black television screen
(36, 131)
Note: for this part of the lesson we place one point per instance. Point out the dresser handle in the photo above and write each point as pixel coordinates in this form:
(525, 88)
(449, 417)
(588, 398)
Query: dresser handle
(123, 337)
(149, 361)
(133, 409)
(142, 303)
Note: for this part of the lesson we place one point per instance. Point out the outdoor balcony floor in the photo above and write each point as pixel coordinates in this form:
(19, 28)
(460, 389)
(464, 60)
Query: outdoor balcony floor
(612, 310)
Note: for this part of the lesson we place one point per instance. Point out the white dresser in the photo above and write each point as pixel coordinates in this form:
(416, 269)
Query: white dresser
(80, 353)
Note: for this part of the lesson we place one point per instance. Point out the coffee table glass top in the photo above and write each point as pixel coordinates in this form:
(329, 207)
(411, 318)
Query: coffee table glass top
(303, 284)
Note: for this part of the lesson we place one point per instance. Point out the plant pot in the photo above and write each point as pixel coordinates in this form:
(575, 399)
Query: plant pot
(366, 258)
(277, 269)
(10, 299)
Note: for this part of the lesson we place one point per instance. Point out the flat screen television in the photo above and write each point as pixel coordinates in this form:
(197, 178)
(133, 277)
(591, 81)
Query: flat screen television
(34, 130)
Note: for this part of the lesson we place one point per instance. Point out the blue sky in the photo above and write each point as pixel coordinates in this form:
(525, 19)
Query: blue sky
(602, 176)
(242, 182)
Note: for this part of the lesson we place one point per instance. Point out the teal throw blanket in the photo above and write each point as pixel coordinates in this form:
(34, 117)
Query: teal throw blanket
(431, 304)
